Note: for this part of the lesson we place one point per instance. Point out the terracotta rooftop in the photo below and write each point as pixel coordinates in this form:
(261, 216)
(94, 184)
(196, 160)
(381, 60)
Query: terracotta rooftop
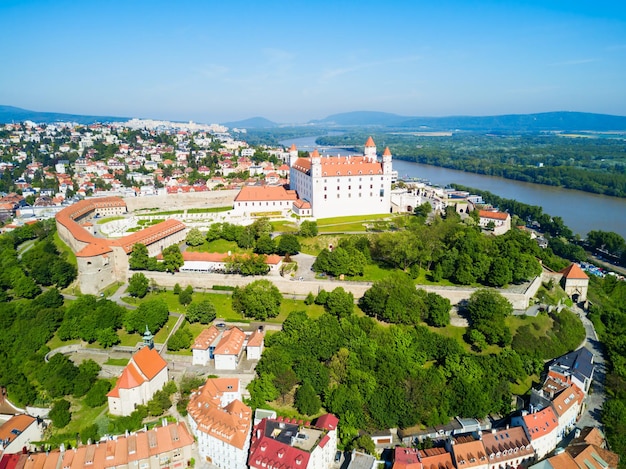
(17, 423)
(567, 399)
(493, 215)
(123, 451)
(230, 424)
(143, 366)
(256, 339)
(540, 423)
(206, 338)
(231, 342)
(574, 272)
(341, 165)
(370, 142)
(265, 194)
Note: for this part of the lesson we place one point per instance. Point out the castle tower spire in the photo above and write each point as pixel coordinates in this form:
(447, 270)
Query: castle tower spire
(370, 149)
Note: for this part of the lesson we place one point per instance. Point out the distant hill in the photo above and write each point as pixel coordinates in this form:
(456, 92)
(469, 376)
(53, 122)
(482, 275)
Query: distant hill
(570, 121)
(363, 118)
(10, 114)
(252, 123)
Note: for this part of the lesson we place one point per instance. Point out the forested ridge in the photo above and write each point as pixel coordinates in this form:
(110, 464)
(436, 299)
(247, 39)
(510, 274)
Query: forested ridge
(596, 165)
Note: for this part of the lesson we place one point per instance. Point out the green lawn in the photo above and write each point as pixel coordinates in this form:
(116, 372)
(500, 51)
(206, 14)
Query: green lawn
(284, 226)
(102, 221)
(55, 342)
(64, 249)
(111, 289)
(117, 361)
(218, 245)
(352, 219)
(344, 227)
(541, 324)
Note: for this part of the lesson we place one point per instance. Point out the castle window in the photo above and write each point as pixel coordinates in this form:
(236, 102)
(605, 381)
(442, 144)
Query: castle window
(325, 197)
(349, 187)
(324, 187)
(338, 195)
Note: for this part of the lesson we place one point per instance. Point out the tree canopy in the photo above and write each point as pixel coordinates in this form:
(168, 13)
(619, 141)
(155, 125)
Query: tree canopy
(260, 300)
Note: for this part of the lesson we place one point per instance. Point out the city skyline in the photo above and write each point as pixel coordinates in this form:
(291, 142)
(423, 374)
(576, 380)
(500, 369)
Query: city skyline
(296, 62)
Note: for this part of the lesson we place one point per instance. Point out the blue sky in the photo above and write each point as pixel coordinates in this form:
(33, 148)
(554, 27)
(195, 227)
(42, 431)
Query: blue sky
(292, 61)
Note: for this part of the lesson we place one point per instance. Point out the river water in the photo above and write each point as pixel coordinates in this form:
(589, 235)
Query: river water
(581, 211)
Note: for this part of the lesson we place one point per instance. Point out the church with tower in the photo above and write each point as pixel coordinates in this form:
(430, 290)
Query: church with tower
(337, 186)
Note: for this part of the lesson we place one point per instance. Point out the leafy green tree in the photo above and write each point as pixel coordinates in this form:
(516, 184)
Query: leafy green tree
(437, 312)
(63, 273)
(340, 302)
(151, 313)
(288, 245)
(181, 339)
(285, 381)
(203, 312)
(138, 259)
(262, 390)
(423, 210)
(186, 296)
(260, 300)
(310, 299)
(108, 337)
(306, 400)
(340, 261)
(58, 375)
(26, 287)
(308, 229)
(159, 403)
(265, 245)
(87, 375)
(394, 299)
(60, 413)
(487, 310)
(138, 285)
(172, 258)
(195, 237)
(97, 395)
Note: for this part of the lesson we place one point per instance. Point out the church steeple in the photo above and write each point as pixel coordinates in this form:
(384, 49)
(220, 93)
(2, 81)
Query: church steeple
(148, 338)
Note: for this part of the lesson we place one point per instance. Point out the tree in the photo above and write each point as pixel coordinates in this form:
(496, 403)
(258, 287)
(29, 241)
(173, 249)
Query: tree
(394, 299)
(306, 400)
(172, 258)
(138, 285)
(308, 229)
(186, 296)
(108, 337)
(265, 245)
(152, 313)
(138, 259)
(437, 312)
(60, 413)
(288, 245)
(181, 339)
(26, 287)
(97, 395)
(487, 310)
(260, 300)
(285, 381)
(203, 312)
(195, 237)
(340, 303)
(87, 375)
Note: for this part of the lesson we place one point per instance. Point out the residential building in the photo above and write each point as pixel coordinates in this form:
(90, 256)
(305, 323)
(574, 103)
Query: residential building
(468, 452)
(221, 422)
(264, 199)
(542, 429)
(255, 344)
(567, 406)
(576, 367)
(294, 444)
(338, 186)
(508, 447)
(18, 432)
(224, 347)
(229, 349)
(218, 261)
(168, 445)
(411, 458)
(145, 374)
(500, 221)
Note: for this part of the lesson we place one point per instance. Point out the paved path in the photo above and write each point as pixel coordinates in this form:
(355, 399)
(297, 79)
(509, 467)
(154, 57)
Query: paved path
(596, 397)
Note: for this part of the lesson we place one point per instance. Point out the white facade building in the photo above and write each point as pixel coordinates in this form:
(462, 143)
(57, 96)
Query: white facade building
(145, 374)
(221, 422)
(339, 186)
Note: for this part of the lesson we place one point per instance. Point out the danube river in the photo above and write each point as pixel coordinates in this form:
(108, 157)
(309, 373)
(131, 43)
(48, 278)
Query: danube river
(581, 211)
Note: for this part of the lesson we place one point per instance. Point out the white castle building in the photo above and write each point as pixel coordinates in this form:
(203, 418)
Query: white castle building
(343, 185)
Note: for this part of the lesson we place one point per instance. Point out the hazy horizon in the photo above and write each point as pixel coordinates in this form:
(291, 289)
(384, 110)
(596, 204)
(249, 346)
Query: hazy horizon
(301, 61)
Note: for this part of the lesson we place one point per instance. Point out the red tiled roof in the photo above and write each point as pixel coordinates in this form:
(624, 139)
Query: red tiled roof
(206, 338)
(230, 424)
(540, 423)
(493, 215)
(256, 339)
(370, 142)
(342, 165)
(574, 272)
(231, 342)
(17, 422)
(264, 193)
(149, 362)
